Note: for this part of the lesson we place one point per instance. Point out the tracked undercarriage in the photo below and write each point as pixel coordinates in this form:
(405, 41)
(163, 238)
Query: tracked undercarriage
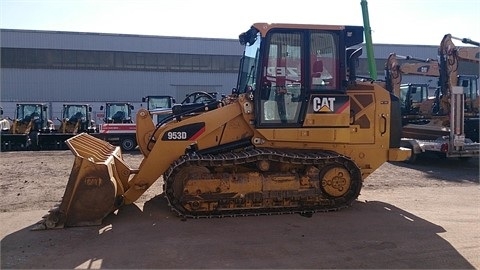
(260, 181)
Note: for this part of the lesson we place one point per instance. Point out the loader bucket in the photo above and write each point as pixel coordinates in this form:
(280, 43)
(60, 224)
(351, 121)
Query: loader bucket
(95, 187)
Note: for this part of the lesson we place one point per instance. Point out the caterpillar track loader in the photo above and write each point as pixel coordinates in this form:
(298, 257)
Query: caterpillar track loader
(298, 134)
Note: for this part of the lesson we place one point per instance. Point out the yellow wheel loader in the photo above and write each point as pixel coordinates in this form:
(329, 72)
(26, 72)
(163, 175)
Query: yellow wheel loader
(25, 130)
(298, 134)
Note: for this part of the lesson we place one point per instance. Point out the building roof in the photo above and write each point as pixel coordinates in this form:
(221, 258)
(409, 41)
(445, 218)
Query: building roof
(117, 42)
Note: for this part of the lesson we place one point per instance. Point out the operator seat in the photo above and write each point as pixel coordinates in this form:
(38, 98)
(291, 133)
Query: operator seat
(118, 117)
(75, 118)
(317, 69)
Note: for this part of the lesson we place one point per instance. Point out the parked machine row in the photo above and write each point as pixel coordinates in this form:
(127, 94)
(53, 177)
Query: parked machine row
(32, 129)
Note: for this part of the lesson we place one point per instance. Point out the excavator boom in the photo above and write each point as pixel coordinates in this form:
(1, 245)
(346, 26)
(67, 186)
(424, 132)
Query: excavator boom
(467, 41)
(394, 70)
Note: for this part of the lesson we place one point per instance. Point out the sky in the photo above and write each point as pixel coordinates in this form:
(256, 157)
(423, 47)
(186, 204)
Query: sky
(418, 22)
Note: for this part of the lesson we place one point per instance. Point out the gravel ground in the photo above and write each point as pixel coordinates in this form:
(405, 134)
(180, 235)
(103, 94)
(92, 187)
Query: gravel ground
(422, 215)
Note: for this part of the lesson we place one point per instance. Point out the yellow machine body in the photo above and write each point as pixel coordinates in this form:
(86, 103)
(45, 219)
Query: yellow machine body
(251, 152)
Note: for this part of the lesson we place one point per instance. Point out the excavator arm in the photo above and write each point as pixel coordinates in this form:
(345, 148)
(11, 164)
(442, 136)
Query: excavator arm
(446, 69)
(471, 54)
(393, 74)
(450, 55)
(430, 69)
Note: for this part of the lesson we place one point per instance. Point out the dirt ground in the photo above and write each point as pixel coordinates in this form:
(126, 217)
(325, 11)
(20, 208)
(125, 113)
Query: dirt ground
(424, 215)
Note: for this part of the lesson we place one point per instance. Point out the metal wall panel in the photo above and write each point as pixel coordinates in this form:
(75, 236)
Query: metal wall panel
(88, 85)
(117, 42)
(93, 86)
(382, 51)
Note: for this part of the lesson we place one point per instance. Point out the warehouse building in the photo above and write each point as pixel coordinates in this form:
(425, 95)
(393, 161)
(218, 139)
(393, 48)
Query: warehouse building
(61, 67)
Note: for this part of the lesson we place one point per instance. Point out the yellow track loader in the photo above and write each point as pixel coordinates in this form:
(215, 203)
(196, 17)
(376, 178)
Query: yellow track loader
(298, 134)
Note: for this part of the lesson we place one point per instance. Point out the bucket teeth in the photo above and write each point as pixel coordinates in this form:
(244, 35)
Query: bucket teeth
(49, 221)
(39, 227)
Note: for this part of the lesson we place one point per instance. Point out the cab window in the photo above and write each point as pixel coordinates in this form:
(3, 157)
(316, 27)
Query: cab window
(281, 82)
(323, 59)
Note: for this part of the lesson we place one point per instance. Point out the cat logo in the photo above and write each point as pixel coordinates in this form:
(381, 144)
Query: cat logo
(323, 104)
(423, 69)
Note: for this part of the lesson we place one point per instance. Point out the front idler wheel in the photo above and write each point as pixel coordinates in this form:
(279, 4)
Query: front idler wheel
(341, 181)
(335, 181)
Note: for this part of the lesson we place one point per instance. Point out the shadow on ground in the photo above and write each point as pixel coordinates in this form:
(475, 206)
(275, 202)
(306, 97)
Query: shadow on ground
(443, 169)
(370, 234)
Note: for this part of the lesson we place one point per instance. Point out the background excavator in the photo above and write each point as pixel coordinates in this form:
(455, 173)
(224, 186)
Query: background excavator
(449, 56)
(414, 98)
(431, 113)
(286, 140)
(420, 104)
(448, 124)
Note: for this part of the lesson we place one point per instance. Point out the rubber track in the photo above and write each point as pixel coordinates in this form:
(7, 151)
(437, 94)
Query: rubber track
(319, 159)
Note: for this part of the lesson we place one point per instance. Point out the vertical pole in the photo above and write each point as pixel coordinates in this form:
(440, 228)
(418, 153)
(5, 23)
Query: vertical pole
(457, 118)
(372, 68)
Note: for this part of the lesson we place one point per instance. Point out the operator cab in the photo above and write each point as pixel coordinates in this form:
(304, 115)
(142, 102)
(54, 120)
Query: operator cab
(74, 113)
(159, 106)
(35, 113)
(469, 83)
(411, 97)
(118, 113)
(298, 65)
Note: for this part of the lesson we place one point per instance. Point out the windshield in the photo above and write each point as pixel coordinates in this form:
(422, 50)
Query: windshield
(159, 102)
(113, 108)
(77, 112)
(249, 66)
(118, 112)
(28, 111)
